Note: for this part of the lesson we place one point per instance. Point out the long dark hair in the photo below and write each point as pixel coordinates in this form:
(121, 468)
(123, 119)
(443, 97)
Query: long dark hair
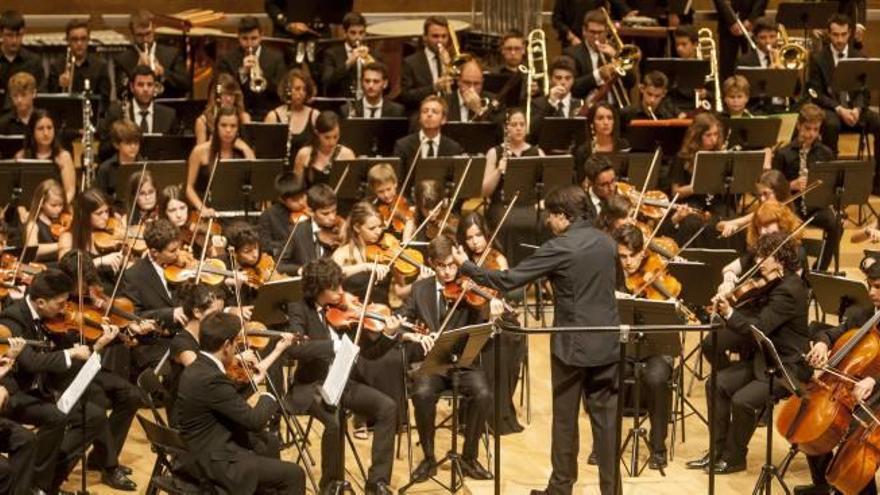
(470, 220)
(30, 142)
(591, 116)
(692, 141)
(215, 140)
(85, 203)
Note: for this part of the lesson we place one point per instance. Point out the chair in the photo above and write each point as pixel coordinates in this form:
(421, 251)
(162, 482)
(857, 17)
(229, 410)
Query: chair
(152, 391)
(166, 476)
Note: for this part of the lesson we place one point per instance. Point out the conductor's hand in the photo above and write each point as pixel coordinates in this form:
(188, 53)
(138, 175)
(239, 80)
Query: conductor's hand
(458, 255)
(818, 355)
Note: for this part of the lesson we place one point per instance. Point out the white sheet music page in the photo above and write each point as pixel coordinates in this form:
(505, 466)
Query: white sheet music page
(90, 368)
(337, 376)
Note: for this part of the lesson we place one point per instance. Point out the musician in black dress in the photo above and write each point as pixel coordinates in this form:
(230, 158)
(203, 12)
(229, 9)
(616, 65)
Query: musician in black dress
(603, 136)
(314, 161)
(295, 91)
(42, 141)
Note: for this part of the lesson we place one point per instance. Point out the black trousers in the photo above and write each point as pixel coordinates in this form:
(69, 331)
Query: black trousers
(827, 221)
(729, 47)
(30, 408)
(116, 394)
(656, 395)
(365, 401)
(426, 393)
(599, 385)
(16, 472)
(728, 340)
(819, 465)
(832, 126)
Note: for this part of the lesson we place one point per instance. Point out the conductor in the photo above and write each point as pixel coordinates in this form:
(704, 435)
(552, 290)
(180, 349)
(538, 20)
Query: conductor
(579, 261)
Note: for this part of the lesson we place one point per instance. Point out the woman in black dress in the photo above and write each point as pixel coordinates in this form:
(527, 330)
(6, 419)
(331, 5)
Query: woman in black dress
(313, 161)
(42, 142)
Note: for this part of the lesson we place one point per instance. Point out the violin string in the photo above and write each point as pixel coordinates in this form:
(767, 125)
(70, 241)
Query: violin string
(405, 184)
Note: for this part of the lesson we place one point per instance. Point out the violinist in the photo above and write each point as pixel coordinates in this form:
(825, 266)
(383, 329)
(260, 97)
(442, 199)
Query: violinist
(144, 199)
(45, 223)
(615, 213)
(244, 246)
(296, 90)
(287, 210)
(780, 313)
(313, 161)
(365, 227)
(319, 234)
(653, 103)
(795, 160)
(428, 305)
(820, 350)
(18, 442)
(229, 96)
(322, 288)
(92, 215)
(126, 139)
(42, 141)
(173, 207)
(427, 194)
(771, 186)
(521, 220)
(603, 134)
(657, 369)
(397, 214)
(600, 183)
(225, 144)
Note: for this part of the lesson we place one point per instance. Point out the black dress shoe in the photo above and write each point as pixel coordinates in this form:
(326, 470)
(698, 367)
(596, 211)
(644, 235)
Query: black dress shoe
(378, 488)
(117, 479)
(424, 470)
(538, 492)
(724, 467)
(657, 460)
(813, 490)
(94, 467)
(593, 460)
(474, 470)
(700, 463)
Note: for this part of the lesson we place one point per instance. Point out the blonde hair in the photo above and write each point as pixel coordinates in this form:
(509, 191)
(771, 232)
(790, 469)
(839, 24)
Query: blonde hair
(380, 174)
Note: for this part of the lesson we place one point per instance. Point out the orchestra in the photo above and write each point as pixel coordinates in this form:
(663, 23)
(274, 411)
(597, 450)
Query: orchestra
(298, 219)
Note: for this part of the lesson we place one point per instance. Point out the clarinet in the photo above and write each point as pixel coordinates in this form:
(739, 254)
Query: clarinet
(505, 155)
(802, 173)
(88, 164)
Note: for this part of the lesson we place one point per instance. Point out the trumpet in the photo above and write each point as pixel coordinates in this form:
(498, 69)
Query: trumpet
(159, 88)
(627, 58)
(536, 52)
(454, 60)
(69, 68)
(788, 55)
(358, 89)
(706, 49)
(258, 82)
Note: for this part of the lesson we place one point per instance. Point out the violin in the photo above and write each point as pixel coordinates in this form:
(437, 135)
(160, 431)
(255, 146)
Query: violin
(194, 232)
(432, 230)
(397, 218)
(260, 273)
(299, 215)
(213, 272)
(6, 334)
(61, 224)
(70, 320)
(406, 266)
(257, 336)
(114, 237)
(347, 315)
(753, 288)
(475, 295)
(655, 203)
(653, 281)
(23, 275)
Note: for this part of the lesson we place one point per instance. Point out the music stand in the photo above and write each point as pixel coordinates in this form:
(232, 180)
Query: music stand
(66, 109)
(475, 137)
(325, 103)
(646, 138)
(697, 281)
(372, 137)
(494, 82)
(632, 167)
(726, 172)
(683, 74)
(187, 111)
(449, 170)
(805, 15)
(453, 352)
(856, 74)
(753, 133)
(774, 369)
(637, 311)
(266, 138)
(835, 294)
(10, 144)
(239, 184)
(166, 146)
(164, 173)
(772, 82)
(270, 303)
(19, 178)
(353, 174)
(561, 135)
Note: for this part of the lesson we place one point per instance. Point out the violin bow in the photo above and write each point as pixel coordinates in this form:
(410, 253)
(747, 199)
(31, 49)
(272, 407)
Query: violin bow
(342, 177)
(794, 197)
(28, 234)
(641, 198)
(367, 296)
(751, 271)
(204, 253)
(455, 194)
(214, 165)
(286, 246)
(405, 183)
(421, 226)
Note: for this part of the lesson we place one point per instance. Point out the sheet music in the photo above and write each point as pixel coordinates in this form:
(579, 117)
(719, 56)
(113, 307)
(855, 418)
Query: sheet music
(90, 368)
(337, 376)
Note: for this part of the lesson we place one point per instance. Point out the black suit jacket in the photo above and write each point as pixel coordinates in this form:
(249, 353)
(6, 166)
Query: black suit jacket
(423, 305)
(176, 80)
(25, 61)
(580, 264)
(214, 419)
(584, 82)
(568, 15)
(788, 161)
(94, 68)
(143, 286)
(542, 108)
(389, 109)
(819, 80)
(337, 79)
(275, 226)
(164, 122)
(415, 79)
(455, 104)
(407, 147)
(272, 65)
(853, 317)
(34, 367)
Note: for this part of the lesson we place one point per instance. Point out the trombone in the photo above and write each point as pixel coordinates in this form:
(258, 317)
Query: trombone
(536, 51)
(706, 49)
(789, 55)
(627, 58)
(455, 59)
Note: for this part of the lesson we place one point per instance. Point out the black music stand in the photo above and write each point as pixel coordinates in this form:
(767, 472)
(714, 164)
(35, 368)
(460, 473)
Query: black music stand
(493, 82)
(835, 294)
(353, 174)
(19, 178)
(774, 369)
(10, 144)
(632, 167)
(166, 146)
(266, 139)
(684, 74)
(449, 170)
(187, 111)
(771, 82)
(453, 352)
(66, 109)
(805, 15)
(270, 304)
(727, 172)
(856, 75)
(844, 183)
(372, 137)
(475, 137)
(646, 138)
(561, 135)
(164, 173)
(753, 133)
(638, 346)
(238, 184)
(325, 103)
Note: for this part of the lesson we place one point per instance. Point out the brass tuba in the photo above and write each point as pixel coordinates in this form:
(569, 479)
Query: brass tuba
(789, 55)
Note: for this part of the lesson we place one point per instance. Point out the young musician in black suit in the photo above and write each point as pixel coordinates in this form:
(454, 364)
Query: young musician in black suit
(252, 56)
(568, 15)
(593, 58)
(599, 182)
(213, 417)
(731, 38)
(277, 220)
(374, 82)
(13, 57)
(85, 66)
(423, 72)
(428, 142)
(580, 263)
(843, 111)
(686, 48)
(513, 55)
(308, 243)
(340, 64)
(427, 304)
(166, 62)
(22, 89)
(741, 389)
(653, 104)
(559, 102)
(766, 36)
(322, 288)
(18, 442)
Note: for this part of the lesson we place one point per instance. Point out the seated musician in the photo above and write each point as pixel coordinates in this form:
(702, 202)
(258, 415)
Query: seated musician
(244, 245)
(653, 103)
(843, 111)
(559, 102)
(166, 62)
(657, 371)
(313, 161)
(428, 142)
(22, 91)
(795, 159)
(741, 393)
(427, 194)
(42, 141)
(820, 351)
(44, 222)
(424, 72)
(600, 183)
(736, 92)
(15, 58)
(322, 288)
(126, 139)
(18, 442)
(295, 90)
(374, 83)
(252, 56)
(173, 207)
(520, 223)
(339, 68)
(686, 48)
(365, 228)
(568, 17)
(149, 116)
(85, 66)
(603, 134)
(143, 199)
(91, 214)
(428, 305)
(278, 219)
(382, 182)
(615, 214)
(229, 95)
(206, 158)
(321, 233)
(593, 67)
(466, 103)
(771, 186)
(513, 55)
(213, 418)
(765, 32)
